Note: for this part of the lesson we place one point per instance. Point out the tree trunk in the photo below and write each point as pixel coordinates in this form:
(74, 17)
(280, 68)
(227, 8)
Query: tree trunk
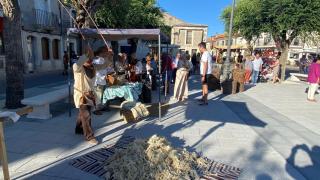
(13, 52)
(82, 18)
(283, 61)
(249, 47)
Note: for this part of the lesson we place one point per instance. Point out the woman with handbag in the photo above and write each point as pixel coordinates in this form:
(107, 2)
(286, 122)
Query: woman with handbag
(181, 82)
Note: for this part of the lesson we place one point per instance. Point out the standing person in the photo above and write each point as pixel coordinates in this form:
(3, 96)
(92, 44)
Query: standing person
(121, 67)
(302, 64)
(257, 67)
(240, 58)
(175, 66)
(276, 69)
(194, 62)
(100, 83)
(313, 79)
(308, 63)
(181, 82)
(198, 61)
(166, 71)
(73, 58)
(65, 63)
(188, 58)
(84, 97)
(205, 71)
(139, 70)
(149, 68)
(248, 68)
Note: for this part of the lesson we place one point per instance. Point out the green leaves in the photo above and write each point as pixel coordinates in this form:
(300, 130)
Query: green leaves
(284, 19)
(129, 14)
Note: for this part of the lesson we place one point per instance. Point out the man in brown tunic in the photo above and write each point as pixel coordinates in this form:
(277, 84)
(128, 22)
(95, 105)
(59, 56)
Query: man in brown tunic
(84, 96)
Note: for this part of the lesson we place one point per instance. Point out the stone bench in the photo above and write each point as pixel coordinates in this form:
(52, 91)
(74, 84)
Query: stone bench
(298, 77)
(41, 103)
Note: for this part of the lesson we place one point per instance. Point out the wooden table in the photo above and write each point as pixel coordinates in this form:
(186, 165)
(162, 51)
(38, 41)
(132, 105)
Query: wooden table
(3, 151)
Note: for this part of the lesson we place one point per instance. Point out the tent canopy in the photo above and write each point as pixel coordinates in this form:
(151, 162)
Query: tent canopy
(117, 34)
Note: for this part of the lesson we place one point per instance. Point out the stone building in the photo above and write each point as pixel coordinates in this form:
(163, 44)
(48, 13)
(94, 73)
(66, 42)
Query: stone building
(186, 35)
(265, 41)
(43, 33)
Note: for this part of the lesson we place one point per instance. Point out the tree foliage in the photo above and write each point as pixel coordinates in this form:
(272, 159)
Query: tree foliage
(285, 20)
(130, 14)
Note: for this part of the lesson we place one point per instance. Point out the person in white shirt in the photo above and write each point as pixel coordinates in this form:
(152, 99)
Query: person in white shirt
(149, 68)
(205, 71)
(139, 68)
(100, 80)
(257, 68)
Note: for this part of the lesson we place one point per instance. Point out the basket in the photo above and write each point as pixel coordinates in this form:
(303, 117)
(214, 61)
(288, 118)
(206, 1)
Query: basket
(127, 116)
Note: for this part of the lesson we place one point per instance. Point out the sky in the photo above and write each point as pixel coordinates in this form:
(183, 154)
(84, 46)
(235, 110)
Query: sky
(198, 12)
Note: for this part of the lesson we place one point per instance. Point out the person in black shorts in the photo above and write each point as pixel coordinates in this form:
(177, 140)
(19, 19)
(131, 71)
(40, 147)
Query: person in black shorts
(205, 71)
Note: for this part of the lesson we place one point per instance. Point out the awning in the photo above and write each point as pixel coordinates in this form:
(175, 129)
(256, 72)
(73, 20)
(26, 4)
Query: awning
(119, 34)
(232, 47)
(122, 34)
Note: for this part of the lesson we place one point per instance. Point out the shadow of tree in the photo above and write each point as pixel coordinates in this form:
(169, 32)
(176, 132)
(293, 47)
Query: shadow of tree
(311, 172)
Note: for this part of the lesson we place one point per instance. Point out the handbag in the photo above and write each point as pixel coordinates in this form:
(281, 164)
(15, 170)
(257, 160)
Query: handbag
(112, 80)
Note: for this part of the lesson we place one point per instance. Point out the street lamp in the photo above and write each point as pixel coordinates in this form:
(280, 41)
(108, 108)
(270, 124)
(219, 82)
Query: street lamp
(226, 64)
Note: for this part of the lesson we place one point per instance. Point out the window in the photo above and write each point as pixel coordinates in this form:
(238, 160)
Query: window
(45, 48)
(296, 42)
(55, 48)
(267, 40)
(189, 37)
(222, 44)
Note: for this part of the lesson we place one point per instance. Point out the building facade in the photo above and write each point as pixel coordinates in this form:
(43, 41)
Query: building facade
(297, 49)
(186, 35)
(43, 31)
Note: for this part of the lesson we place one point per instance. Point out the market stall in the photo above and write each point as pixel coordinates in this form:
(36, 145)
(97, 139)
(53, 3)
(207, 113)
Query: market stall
(128, 91)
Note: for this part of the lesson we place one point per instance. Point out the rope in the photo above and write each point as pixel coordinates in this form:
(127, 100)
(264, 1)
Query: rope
(75, 21)
(105, 42)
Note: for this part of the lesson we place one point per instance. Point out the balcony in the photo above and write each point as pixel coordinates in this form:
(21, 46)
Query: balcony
(45, 20)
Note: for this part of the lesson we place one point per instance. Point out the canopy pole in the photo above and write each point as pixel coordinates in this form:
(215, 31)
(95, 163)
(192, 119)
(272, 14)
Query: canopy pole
(160, 75)
(69, 74)
(166, 78)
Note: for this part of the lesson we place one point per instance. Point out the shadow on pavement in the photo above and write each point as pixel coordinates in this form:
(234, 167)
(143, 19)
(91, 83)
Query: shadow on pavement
(180, 117)
(311, 171)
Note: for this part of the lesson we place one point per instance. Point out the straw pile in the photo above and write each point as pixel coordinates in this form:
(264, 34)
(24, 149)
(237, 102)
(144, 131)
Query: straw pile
(154, 159)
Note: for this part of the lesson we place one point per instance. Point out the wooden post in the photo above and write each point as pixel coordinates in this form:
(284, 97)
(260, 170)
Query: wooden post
(3, 150)
(3, 153)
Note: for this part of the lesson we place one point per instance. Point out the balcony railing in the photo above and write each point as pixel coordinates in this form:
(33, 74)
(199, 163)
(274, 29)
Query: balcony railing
(45, 20)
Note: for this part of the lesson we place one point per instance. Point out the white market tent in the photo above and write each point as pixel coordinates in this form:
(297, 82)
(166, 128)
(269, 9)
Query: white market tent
(118, 34)
(122, 34)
